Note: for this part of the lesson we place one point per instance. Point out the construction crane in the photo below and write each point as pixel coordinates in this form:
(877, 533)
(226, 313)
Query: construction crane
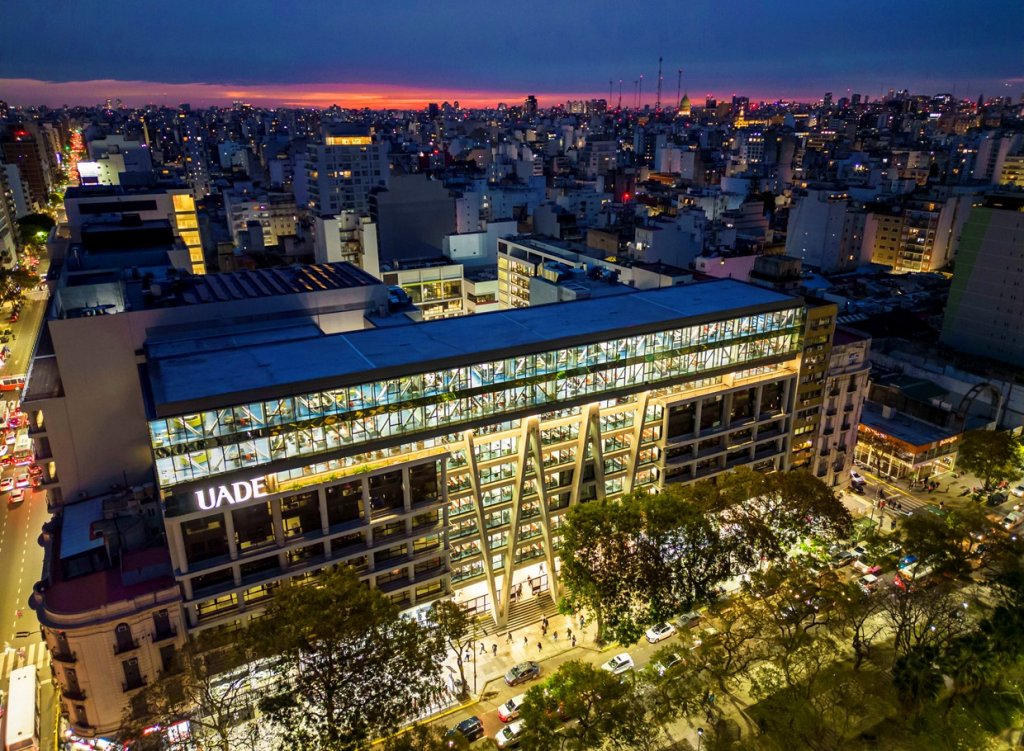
(657, 99)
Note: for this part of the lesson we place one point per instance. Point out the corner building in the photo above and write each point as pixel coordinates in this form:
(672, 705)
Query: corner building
(436, 459)
(440, 458)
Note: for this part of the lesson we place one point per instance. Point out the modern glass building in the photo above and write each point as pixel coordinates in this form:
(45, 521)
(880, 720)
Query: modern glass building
(439, 458)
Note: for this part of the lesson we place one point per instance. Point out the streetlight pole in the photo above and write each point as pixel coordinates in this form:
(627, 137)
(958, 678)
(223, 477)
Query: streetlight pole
(700, 737)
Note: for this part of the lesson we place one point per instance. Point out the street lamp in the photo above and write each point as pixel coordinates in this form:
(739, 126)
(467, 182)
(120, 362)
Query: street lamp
(700, 737)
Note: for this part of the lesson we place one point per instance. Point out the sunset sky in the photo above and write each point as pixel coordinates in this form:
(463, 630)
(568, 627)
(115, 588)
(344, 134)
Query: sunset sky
(406, 53)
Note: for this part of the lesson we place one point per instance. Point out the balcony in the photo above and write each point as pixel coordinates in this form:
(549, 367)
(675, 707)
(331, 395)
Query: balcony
(75, 694)
(165, 632)
(128, 645)
(68, 657)
(133, 685)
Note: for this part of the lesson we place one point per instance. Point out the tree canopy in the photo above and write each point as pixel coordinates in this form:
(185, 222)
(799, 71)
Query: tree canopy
(352, 668)
(992, 455)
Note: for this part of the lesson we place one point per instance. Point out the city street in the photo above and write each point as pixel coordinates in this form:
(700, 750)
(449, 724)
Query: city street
(20, 527)
(552, 653)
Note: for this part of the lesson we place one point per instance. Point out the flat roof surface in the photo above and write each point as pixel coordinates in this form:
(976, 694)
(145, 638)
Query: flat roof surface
(76, 527)
(902, 427)
(414, 347)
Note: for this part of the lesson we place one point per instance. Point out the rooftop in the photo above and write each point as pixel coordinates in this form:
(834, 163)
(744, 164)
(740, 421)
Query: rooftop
(909, 430)
(231, 376)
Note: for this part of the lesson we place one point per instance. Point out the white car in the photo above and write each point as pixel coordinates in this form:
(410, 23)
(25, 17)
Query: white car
(510, 709)
(619, 664)
(6, 484)
(659, 632)
(705, 634)
(508, 736)
(857, 478)
(1018, 491)
(23, 480)
(663, 667)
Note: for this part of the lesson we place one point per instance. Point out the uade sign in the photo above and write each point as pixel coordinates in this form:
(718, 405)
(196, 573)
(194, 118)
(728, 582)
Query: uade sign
(236, 492)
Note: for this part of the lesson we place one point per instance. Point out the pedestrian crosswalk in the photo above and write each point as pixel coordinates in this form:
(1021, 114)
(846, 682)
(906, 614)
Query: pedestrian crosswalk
(21, 655)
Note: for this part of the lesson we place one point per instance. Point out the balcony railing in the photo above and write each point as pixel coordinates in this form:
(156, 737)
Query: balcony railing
(65, 656)
(133, 685)
(164, 632)
(126, 646)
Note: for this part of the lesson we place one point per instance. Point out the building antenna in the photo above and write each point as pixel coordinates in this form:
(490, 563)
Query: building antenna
(620, 94)
(640, 94)
(610, 84)
(657, 99)
(636, 98)
(679, 87)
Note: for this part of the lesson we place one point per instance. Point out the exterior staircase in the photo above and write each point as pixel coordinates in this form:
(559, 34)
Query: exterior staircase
(530, 611)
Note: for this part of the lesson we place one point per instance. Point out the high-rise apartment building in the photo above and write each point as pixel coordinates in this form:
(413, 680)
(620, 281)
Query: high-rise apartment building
(194, 154)
(22, 149)
(343, 169)
(435, 459)
(150, 207)
(846, 389)
(986, 300)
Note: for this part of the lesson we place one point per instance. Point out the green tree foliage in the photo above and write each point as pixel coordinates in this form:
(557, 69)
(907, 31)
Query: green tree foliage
(638, 561)
(608, 566)
(580, 708)
(352, 668)
(991, 455)
(211, 686)
(34, 228)
(457, 627)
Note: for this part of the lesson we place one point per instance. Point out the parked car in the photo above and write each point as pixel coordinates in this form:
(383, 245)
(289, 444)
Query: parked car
(1018, 491)
(1013, 520)
(866, 568)
(524, 671)
(619, 664)
(471, 728)
(510, 709)
(868, 583)
(662, 666)
(508, 736)
(687, 620)
(659, 632)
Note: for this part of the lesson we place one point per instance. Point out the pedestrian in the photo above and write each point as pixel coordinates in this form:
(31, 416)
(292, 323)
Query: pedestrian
(483, 649)
(465, 657)
(568, 633)
(526, 641)
(544, 622)
(508, 638)
(582, 622)
(555, 635)
(540, 647)
(574, 642)
(543, 630)
(494, 650)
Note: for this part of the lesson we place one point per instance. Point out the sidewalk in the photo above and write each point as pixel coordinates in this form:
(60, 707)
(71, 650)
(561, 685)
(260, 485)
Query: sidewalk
(527, 643)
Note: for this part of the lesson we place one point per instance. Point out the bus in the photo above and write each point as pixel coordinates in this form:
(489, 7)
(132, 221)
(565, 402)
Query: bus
(23, 451)
(22, 728)
(12, 383)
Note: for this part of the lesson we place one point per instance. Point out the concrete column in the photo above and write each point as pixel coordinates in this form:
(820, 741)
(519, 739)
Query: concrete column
(229, 530)
(275, 511)
(321, 494)
(176, 543)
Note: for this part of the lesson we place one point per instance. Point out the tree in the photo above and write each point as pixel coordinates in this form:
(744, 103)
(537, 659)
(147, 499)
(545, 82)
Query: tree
(916, 678)
(923, 617)
(13, 283)
(457, 627)
(767, 515)
(211, 687)
(351, 667)
(425, 738)
(855, 616)
(34, 228)
(580, 708)
(608, 566)
(991, 455)
(689, 550)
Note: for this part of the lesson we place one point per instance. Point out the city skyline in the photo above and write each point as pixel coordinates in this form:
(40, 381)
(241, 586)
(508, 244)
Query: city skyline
(355, 58)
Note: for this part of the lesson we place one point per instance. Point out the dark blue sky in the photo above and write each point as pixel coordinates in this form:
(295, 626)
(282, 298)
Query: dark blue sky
(778, 48)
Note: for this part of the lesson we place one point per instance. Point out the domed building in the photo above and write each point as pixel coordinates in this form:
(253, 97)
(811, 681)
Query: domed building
(684, 106)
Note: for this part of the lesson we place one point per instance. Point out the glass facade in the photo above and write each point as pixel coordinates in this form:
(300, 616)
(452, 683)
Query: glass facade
(211, 443)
